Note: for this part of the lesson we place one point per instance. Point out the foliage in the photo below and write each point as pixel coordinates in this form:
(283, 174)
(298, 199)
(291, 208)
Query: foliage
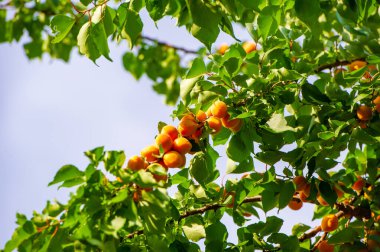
(300, 96)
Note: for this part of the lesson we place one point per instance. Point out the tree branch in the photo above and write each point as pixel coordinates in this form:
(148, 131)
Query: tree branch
(161, 43)
(336, 63)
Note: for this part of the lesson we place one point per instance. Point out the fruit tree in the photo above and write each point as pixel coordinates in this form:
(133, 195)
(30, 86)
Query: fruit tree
(301, 99)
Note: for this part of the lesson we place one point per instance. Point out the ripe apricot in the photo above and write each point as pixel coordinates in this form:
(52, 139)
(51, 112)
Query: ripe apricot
(174, 159)
(209, 111)
(164, 141)
(187, 126)
(182, 145)
(234, 124)
(339, 192)
(214, 124)
(322, 201)
(364, 113)
(197, 135)
(323, 246)
(160, 177)
(170, 130)
(246, 214)
(329, 223)
(295, 205)
(363, 124)
(376, 101)
(357, 64)
(377, 107)
(249, 46)
(223, 48)
(136, 196)
(136, 163)
(358, 185)
(150, 153)
(219, 109)
(201, 116)
(300, 182)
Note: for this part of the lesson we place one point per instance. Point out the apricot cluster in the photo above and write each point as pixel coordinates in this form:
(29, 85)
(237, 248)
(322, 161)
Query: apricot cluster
(303, 191)
(173, 143)
(248, 46)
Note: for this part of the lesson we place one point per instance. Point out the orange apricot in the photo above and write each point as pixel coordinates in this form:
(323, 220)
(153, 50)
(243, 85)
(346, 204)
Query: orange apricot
(214, 124)
(376, 101)
(303, 197)
(197, 135)
(249, 46)
(377, 107)
(136, 196)
(219, 109)
(136, 163)
(150, 153)
(295, 204)
(300, 182)
(339, 192)
(358, 185)
(363, 124)
(187, 126)
(357, 64)
(201, 116)
(223, 48)
(174, 159)
(364, 113)
(160, 177)
(170, 130)
(322, 201)
(164, 141)
(329, 223)
(323, 246)
(182, 145)
(234, 124)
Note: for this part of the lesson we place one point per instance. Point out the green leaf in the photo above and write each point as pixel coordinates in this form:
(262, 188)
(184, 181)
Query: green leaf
(205, 23)
(345, 235)
(216, 236)
(300, 229)
(286, 194)
(156, 8)
(267, 21)
(327, 193)
(269, 200)
(199, 168)
(244, 166)
(197, 68)
(312, 94)
(239, 147)
(273, 225)
(308, 11)
(278, 124)
(194, 229)
(67, 172)
(130, 24)
(86, 42)
(100, 37)
(61, 25)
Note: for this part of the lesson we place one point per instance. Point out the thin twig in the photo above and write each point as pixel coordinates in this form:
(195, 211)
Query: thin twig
(161, 43)
(336, 63)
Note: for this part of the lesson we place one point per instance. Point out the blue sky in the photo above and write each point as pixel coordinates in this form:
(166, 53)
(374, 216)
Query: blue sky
(51, 112)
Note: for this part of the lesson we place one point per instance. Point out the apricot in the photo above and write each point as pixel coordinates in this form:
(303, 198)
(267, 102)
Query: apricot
(219, 109)
(303, 197)
(323, 246)
(201, 116)
(150, 153)
(234, 124)
(164, 141)
(136, 196)
(376, 101)
(209, 111)
(322, 201)
(300, 182)
(197, 135)
(363, 124)
(223, 48)
(339, 192)
(295, 205)
(329, 223)
(364, 113)
(249, 46)
(182, 145)
(215, 124)
(174, 159)
(358, 185)
(246, 214)
(160, 177)
(187, 126)
(377, 107)
(357, 64)
(136, 163)
(170, 130)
